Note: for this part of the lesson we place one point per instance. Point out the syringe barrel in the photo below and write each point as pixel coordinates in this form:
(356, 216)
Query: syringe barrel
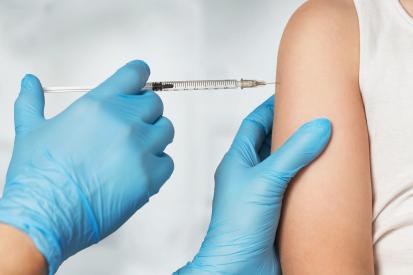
(193, 85)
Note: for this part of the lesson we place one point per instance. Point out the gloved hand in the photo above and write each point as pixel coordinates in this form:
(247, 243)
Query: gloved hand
(76, 178)
(249, 188)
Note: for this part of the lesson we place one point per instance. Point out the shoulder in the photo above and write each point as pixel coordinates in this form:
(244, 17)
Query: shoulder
(325, 31)
(317, 13)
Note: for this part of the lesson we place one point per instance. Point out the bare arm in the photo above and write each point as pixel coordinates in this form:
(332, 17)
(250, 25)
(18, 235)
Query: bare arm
(18, 255)
(326, 221)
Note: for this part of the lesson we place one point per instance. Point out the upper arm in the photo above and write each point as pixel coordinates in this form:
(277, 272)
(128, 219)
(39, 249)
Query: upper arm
(327, 213)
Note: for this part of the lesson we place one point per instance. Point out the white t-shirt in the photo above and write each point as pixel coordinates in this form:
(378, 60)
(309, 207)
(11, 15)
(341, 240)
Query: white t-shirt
(386, 82)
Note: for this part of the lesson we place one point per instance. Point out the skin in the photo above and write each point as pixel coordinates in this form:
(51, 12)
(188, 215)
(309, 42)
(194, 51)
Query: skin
(318, 74)
(18, 255)
(408, 6)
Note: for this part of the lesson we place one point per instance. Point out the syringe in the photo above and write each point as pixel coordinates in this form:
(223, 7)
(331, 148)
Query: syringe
(166, 86)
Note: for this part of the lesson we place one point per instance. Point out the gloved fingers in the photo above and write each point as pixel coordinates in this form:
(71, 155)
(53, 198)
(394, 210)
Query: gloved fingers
(147, 107)
(254, 129)
(29, 105)
(164, 166)
(162, 134)
(305, 145)
(129, 79)
(150, 107)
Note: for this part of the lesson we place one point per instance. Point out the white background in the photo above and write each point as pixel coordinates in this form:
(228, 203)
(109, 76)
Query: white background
(82, 42)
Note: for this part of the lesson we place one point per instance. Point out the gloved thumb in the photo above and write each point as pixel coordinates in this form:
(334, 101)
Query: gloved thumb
(29, 105)
(305, 145)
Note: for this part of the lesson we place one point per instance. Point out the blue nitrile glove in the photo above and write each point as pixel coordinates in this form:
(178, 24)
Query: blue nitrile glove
(76, 178)
(249, 188)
